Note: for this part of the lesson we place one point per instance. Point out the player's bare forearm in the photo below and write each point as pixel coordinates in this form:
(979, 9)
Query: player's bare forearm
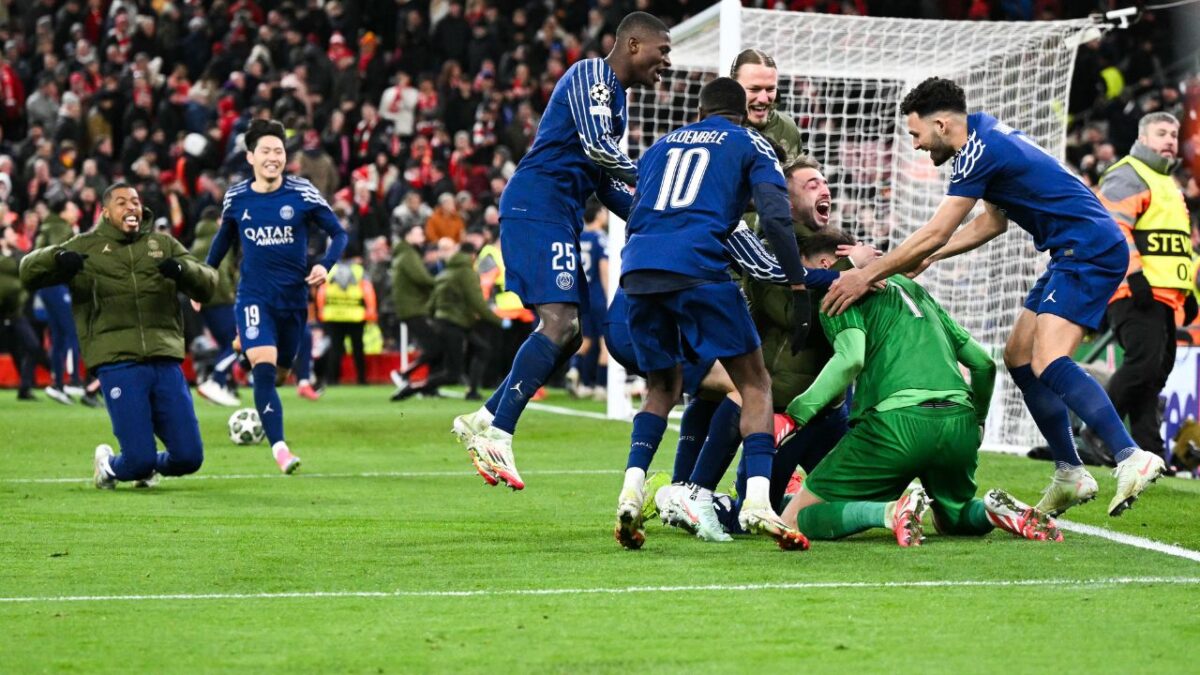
(982, 229)
(928, 239)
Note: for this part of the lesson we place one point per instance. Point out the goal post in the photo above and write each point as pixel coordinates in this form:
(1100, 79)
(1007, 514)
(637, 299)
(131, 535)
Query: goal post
(841, 78)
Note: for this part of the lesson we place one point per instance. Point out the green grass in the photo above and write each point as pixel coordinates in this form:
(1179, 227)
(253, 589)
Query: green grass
(263, 533)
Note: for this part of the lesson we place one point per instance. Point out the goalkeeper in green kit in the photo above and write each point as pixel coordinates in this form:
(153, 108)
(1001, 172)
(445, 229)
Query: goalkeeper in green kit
(913, 416)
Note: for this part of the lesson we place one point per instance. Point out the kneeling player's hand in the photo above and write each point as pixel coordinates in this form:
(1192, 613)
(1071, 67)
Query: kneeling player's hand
(317, 275)
(69, 262)
(801, 319)
(171, 269)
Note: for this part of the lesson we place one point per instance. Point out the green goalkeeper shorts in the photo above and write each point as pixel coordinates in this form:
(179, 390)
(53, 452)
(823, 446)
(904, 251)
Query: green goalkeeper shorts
(877, 459)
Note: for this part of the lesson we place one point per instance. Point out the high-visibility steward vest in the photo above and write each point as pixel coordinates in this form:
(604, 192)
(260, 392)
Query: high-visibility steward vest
(508, 305)
(345, 304)
(1163, 233)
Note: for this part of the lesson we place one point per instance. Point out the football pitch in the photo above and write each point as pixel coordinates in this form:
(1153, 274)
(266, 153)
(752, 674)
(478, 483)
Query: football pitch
(387, 553)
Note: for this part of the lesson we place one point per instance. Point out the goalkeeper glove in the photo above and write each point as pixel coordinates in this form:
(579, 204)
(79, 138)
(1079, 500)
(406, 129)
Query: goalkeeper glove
(1143, 295)
(69, 262)
(171, 269)
(801, 319)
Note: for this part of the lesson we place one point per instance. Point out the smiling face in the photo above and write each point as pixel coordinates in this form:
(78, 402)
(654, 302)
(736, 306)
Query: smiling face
(267, 159)
(124, 209)
(762, 87)
(930, 134)
(808, 191)
(650, 58)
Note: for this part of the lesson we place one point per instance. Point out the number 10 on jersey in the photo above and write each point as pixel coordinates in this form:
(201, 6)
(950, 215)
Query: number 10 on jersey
(682, 178)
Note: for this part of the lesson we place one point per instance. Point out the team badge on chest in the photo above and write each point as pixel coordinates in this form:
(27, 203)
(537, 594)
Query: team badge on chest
(287, 212)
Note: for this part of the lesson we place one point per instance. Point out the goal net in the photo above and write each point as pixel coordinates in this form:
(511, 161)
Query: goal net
(841, 79)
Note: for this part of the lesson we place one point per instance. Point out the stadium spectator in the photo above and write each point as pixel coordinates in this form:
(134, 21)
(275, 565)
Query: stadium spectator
(17, 334)
(445, 222)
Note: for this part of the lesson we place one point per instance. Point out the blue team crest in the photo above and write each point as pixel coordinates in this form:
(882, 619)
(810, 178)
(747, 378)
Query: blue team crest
(251, 332)
(287, 212)
(565, 281)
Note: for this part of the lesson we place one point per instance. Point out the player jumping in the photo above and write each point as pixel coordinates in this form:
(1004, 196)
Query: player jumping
(694, 185)
(574, 155)
(1017, 179)
(271, 215)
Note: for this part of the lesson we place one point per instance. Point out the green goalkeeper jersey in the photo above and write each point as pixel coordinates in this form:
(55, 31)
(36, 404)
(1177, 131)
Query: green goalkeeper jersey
(911, 350)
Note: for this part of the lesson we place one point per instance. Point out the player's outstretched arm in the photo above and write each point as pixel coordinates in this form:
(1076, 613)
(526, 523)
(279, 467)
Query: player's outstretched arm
(983, 228)
(928, 238)
(977, 361)
(327, 220)
(849, 355)
(591, 109)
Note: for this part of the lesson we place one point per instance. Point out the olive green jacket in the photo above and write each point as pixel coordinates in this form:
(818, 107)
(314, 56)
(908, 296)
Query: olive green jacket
(12, 294)
(457, 296)
(227, 272)
(771, 309)
(124, 308)
(53, 231)
(411, 282)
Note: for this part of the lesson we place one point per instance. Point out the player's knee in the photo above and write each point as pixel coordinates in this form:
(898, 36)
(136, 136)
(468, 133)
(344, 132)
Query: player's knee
(189, 463)
(139, 467)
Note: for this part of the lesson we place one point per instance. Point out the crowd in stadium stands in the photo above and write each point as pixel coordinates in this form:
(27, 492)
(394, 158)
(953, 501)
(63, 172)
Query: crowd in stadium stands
(404, 113)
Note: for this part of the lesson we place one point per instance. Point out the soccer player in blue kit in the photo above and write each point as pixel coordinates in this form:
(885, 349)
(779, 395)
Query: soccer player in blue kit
(574, 154)
(1017, 179)
(693, 186)
(593, 255)
(271, 214)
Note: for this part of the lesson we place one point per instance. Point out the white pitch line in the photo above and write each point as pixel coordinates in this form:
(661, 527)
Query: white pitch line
(365, 474)
(815, 585)
(1130, 540)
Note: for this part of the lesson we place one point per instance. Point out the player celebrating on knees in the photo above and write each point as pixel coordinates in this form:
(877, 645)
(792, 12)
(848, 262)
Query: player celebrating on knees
(574, 155)
(913, 417)
(1017, 179)
(125, 282)
(694, 185)
(271, 214)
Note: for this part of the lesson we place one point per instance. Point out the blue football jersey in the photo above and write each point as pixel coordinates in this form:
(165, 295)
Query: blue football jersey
(593, 247)
(575, 152)
(273, 230)
(692, 190)
(1005, 167)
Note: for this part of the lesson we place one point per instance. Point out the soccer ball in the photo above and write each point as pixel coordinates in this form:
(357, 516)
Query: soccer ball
(245, 428)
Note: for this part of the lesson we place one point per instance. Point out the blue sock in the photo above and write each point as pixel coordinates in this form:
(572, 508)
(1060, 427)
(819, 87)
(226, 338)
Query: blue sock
(643, 442)
(693, 430)
(602, 376)
(1050, 414)
(493, 402)
(535, 362)
(1088, 400)
(266, 399)
(759, 451)
(724, 437)
(588, 365)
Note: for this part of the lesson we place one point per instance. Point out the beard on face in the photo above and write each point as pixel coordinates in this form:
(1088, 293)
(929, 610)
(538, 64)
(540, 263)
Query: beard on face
(940, 152)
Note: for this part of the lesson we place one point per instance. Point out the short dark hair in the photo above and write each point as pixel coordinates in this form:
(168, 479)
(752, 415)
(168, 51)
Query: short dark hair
(639, 24)
(260, 128)
(591, 208)
(467, 247)
(752, 56)
(723, 96)
(935, 94)
(210, 212)
(119, 185)
(825, 241)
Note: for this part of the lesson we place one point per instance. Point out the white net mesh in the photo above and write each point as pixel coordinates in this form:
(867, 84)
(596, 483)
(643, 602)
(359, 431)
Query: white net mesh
(842, 80)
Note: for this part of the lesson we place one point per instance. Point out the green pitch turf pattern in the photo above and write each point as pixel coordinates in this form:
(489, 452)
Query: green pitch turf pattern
(389, 521)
